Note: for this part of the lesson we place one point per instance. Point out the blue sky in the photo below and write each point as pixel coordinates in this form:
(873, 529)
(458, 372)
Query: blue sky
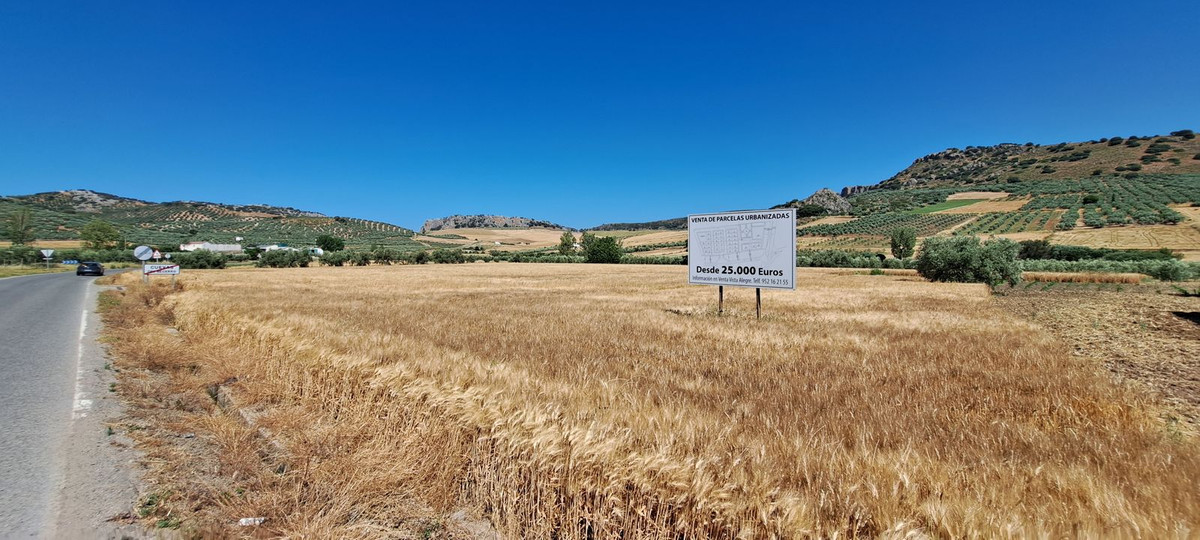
(576, 113)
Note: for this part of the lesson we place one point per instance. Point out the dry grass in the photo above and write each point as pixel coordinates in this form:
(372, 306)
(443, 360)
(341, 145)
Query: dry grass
(1183, 237)
(53, 244)
(1082, 277)
(508, 238)
(994, 205)
(976, 195)
(573, 401)
(13, 271)
(654, 237)
(828, 220)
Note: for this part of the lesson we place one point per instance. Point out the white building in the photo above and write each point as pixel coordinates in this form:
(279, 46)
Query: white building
(209, 246)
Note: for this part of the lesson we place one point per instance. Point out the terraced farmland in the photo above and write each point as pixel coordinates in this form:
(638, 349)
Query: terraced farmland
(884, 224)
(1012, 222)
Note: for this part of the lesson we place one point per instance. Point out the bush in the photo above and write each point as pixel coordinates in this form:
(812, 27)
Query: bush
(1187, 134)
(1034, 249)
(964, 259)
(1091, 199)
(419, 257)
(1197, 156)
(201, 259)
(386, 256)
(603, 249)
(833, 258)
(284, 258)
(1170, 271)
(448, 256)
(334, 258)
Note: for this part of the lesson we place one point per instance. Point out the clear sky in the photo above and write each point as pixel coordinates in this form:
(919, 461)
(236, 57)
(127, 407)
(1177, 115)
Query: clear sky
(579, 113)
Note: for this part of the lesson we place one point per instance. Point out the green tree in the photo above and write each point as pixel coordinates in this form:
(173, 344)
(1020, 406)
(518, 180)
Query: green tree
(603, 249)
(965, 259)
(99, 234)
(19, 226)
(904, 240)
(586, 240)
(330, 243)
(566, 244)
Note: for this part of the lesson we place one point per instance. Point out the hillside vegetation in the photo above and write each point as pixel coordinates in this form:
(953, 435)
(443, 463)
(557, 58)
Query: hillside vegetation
(1170, 154)
(60, 216)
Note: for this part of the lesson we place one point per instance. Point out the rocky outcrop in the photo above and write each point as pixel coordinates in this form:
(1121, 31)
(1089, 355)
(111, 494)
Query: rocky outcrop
(484, 222)
(825, 198)
(830, 201)
(855, 190)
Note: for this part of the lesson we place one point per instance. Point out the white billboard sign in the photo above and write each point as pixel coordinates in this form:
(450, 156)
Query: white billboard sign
(161, 269)
(754, 248)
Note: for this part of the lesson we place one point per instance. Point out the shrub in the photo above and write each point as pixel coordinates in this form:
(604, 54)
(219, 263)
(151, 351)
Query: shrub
(1091, 199)
(419, 257)
(1187, 134)
(386, 256)
(1170, 271)
(903, 240)
(1115, 141)
(1034, 249)
(1197, 156)
(1047, 169)
(284, 258)
(1132, 143)
(448, 256)
(1097, 172)
(603, 249)
(334, 258)
(201, 259)
(965, 259)
(833, 258)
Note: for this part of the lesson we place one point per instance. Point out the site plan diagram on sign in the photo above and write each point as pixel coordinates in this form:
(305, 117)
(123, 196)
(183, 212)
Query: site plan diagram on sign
(745, 242)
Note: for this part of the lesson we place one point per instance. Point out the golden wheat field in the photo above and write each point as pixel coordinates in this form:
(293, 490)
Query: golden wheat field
(595, 401)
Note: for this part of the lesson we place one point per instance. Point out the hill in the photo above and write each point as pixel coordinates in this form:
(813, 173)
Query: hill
(59, 215)
(481, 221)
(1177, 153)
(673, 224)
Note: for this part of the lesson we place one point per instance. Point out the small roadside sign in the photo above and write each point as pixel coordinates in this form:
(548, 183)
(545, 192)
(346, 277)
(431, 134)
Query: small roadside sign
(143, 253)
(47, 253)
(70, 261)
(157, 255)
(161, 269)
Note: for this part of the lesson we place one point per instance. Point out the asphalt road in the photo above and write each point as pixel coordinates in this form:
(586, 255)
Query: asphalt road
(52, 379)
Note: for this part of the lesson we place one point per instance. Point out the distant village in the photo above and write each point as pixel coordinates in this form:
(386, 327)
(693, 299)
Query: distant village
(238, 248)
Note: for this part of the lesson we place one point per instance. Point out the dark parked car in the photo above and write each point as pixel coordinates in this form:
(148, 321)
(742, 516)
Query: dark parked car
(89, 269)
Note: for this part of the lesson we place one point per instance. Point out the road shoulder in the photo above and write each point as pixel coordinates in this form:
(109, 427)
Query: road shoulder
(100, 481)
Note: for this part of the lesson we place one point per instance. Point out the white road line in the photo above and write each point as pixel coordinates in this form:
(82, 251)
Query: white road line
(82, 404)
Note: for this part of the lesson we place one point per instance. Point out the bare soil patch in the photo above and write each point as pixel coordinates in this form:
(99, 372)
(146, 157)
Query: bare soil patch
(1134, 331)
